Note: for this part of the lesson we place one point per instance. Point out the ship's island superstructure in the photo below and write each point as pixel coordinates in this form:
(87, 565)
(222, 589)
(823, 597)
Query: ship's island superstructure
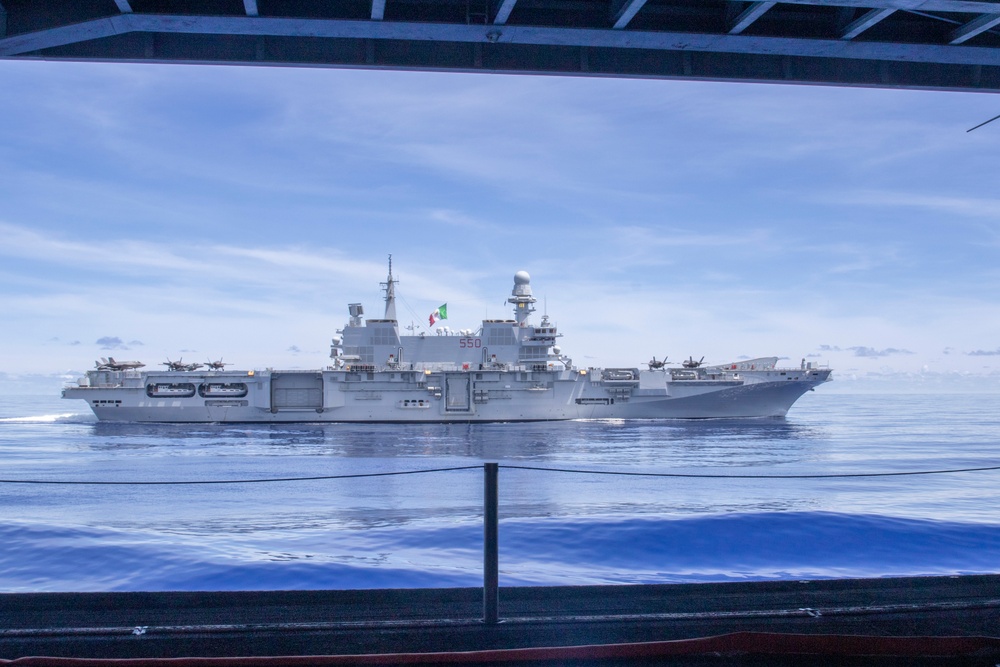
(508, 370)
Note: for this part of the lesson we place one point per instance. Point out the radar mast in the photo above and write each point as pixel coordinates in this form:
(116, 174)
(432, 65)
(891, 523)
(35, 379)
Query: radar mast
(521, 298)
(389, 286)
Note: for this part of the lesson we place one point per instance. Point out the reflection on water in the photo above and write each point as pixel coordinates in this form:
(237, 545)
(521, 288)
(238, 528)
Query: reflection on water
(696, 443)
(212, 452)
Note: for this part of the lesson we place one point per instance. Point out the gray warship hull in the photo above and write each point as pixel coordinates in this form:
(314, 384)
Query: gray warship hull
(462, 396)
(506, 371)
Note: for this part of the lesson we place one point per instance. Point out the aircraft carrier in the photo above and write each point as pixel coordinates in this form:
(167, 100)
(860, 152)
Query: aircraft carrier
(507, 370)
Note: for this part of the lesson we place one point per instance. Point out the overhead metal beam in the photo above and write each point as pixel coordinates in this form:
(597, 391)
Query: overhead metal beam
(817, 42)
(622, 11)
(965, 6)
(749, 15)
(973, 28)
(506, 7)
(63, 35)
(520, 35)
(866, 21)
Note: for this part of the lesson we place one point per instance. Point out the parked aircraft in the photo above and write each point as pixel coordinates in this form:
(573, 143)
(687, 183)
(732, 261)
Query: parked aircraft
(691, 363)
(179, 365)
(656, 365)
(110, 364)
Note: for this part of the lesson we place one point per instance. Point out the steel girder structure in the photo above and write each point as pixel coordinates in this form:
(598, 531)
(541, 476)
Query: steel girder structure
(929, 44)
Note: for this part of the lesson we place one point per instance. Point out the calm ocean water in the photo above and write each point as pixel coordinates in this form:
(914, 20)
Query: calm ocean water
(556, 527)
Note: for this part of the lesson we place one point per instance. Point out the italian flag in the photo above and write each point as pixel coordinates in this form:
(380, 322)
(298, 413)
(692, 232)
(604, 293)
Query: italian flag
(439, 314)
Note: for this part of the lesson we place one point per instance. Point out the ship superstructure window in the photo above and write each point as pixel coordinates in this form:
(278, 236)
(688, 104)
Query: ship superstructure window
(384, 336)
(501, 336)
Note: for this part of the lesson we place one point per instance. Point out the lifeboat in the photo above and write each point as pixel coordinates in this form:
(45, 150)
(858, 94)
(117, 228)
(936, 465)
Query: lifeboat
(170, 390)
(222, 390)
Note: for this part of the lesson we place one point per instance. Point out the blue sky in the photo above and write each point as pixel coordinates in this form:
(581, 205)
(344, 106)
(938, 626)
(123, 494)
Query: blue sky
(153, 211)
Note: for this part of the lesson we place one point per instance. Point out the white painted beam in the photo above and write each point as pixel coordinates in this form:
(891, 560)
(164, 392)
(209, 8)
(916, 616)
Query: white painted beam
(123, 6)
(973, 28)
(250, 6)
(378, 10)
(749, 15)
(866, 21)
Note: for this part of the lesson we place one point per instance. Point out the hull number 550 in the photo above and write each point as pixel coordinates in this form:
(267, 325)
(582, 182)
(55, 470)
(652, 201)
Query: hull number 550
(470, 342)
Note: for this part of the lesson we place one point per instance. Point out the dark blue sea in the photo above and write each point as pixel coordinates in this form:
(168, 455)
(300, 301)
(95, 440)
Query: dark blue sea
(749, 509)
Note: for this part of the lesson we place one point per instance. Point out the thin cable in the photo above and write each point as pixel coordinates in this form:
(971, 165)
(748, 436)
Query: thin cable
(981, 124)
(621, 473)
(715, 476)
(235, 481)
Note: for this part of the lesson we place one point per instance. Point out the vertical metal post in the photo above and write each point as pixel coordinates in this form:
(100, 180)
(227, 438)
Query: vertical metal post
(491, 545)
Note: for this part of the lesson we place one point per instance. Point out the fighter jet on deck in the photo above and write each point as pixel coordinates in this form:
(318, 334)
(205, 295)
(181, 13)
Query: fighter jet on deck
(110, 364)
(179, 365)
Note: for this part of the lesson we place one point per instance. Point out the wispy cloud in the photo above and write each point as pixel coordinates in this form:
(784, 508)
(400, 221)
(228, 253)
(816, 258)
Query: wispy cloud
(236, 210)
(977, 207)
(456, 218)
(111, 343)
(862, 351)
(111, 254)
(853, 258)
(865, 351)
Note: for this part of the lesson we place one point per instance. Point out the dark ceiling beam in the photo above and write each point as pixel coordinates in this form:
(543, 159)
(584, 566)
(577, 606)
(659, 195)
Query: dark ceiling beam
(973, 28)
(966, 6)
(866, 21)
(3, 21)
(749, 15)
(123, 6)
(520, 35)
